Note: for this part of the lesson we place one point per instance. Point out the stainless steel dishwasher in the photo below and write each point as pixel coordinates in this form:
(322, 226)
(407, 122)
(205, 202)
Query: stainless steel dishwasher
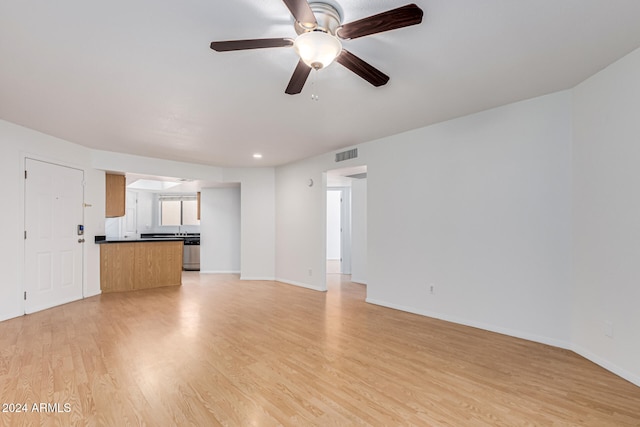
(191, 254)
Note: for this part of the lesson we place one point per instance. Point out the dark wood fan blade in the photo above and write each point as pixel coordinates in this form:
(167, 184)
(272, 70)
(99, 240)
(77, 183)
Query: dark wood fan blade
(302, 13)
(298, 79)
(361, 68)
(390, 20)
(229, 45)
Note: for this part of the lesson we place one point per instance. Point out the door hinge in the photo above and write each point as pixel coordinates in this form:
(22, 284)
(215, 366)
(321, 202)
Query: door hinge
(25, 295)
(25, 174)
(25, 234)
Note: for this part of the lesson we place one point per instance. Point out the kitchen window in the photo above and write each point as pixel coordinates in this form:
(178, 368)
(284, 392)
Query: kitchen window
(178, 210)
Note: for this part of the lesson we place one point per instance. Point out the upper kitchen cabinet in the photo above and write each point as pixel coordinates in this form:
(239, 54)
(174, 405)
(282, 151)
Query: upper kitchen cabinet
(116, 195)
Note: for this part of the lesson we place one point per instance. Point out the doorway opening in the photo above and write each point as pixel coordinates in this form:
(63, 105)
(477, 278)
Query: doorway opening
(346, 224)
(338, 230)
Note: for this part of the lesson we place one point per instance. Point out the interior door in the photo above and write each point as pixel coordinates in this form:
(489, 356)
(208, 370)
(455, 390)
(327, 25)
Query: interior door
(345, 231)
(54, 197)
(131, 215)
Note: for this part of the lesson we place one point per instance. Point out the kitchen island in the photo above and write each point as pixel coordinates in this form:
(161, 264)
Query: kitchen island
(135, 264)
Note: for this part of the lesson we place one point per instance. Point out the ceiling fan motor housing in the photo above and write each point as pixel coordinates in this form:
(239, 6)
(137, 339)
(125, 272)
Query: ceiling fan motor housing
(328, 17)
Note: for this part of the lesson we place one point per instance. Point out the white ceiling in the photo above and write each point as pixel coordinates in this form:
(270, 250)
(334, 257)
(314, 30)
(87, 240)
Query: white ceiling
(183, 185)
(137, 76)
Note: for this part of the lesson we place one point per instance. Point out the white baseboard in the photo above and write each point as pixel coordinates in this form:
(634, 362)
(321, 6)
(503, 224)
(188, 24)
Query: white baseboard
(57, 303)
(269, 279)
(358, 280)
(611, 367)
(492, 328)
(301, 285)
(623, 373)
(11, 315)
(219, 272)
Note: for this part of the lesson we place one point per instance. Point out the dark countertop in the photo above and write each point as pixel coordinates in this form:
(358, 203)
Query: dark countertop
(101, 240)
(163, 235)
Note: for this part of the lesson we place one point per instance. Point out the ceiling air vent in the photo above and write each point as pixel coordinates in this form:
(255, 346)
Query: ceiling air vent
(346, 155)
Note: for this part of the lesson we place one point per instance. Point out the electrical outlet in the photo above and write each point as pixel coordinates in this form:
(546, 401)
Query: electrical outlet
(432, 288)
(310, 272)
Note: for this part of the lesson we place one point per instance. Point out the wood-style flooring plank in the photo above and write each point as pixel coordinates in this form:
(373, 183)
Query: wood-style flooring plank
(218, 351)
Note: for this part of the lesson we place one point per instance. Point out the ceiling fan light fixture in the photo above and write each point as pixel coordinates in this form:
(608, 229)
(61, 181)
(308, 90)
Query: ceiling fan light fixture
(319, 26)
(317, 49)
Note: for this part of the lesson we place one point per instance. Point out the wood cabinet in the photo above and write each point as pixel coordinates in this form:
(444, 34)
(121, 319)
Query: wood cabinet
(116, 195)
(140, 265)
(117, 265)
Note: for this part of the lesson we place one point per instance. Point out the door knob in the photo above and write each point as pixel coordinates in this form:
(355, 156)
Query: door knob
(80, 240)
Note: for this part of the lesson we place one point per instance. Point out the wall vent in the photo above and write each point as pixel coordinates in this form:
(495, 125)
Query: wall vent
(346, 155)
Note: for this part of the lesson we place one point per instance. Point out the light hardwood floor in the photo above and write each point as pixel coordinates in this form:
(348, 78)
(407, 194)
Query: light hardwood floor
(218, 351)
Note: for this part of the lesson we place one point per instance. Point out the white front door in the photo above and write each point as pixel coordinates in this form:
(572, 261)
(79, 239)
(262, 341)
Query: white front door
(54, 197)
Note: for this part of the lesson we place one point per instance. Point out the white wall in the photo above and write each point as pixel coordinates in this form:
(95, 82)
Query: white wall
(16, 143)
(257, 224)
(606, 217)
(94, 195)
(478, 206)
(148, 216)
(119, 162)
(359, 231)
(220, 230)
(301, 222)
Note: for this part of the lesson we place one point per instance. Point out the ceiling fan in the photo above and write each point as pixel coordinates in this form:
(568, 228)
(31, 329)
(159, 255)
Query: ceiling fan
(319, 28)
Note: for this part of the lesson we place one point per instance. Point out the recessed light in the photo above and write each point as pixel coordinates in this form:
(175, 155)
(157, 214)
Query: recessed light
(257, 156)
